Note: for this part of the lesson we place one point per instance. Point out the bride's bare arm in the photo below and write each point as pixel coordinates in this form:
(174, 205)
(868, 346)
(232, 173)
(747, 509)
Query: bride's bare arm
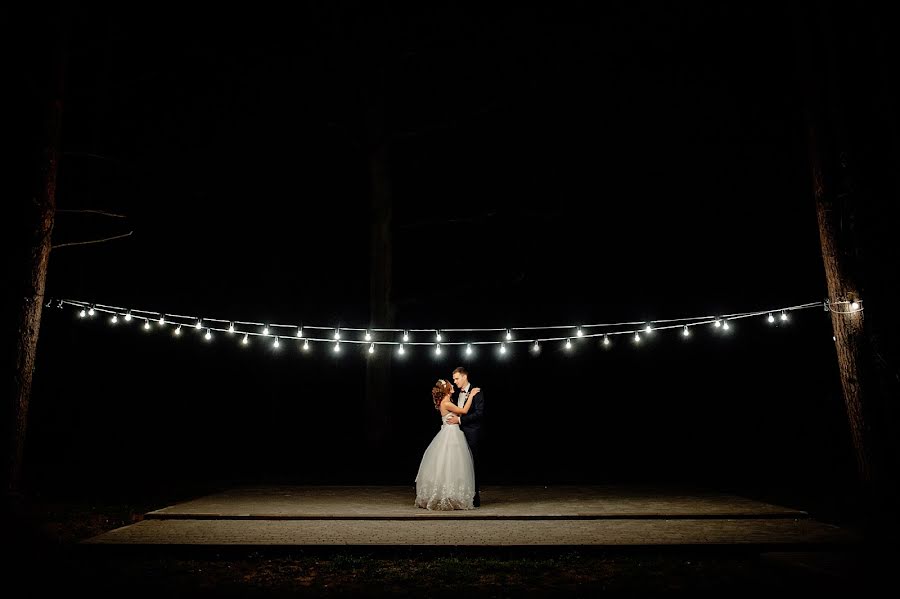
(451, 407)
(465, 409)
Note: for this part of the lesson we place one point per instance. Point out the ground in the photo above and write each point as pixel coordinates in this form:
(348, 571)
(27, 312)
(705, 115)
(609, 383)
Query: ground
(45, 557)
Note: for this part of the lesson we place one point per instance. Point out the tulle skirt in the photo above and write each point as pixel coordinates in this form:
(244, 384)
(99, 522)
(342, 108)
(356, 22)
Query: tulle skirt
(446, 478)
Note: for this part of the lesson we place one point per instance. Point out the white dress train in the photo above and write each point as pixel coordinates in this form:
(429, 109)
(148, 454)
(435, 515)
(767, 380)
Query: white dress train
(446, 478)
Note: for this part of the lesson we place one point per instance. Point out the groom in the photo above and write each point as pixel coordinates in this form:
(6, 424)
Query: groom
(470, 424)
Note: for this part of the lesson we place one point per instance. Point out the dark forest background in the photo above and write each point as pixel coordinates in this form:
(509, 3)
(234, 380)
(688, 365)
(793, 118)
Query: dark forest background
(548, 165)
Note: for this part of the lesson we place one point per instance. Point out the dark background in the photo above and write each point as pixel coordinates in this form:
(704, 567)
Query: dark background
(563, 165)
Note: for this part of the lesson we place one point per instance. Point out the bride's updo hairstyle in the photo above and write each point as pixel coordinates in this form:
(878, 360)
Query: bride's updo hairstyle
(439, 391)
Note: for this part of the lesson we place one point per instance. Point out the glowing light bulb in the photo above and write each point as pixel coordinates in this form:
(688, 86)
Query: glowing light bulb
(162, 319)
(508, 334)
(725, 325)
(536, 347)
(146, 325)
(128, 316)
(406, 335)
(114, 319)
(177, 332)
(718, 323)
(605, 339)
(502, 348)
(337, 347)
(437, 350)
(299, 331)
(637, 338)
(771, 318)
(437, 335)
(372, 349)
(468, 348)
(276, 345)
(686, 332)
(91, 311)
(199, 324)
(246, 339)
(208, 335)
(231, 328)
(854, 305)
(784, 315)
(306, 345)
(648, 329)
(400, 350)
(83, 313)
(579, 332)
(568, 344)
(337, 334)
(368, 336)
(265, 330)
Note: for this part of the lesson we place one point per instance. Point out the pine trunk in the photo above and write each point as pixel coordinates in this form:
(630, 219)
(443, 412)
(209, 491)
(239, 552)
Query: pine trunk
(381, 312)
(834, 198)
(30, 278)
(846, 316)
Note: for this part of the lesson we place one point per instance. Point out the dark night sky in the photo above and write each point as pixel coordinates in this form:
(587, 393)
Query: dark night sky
(549, 166)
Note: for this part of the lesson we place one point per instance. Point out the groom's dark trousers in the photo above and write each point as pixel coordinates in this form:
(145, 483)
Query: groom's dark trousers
(471, 426)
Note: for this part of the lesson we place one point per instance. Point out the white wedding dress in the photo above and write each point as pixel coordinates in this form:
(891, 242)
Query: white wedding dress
(446, 478)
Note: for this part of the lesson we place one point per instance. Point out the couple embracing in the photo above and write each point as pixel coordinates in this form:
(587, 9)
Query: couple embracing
(447, 478)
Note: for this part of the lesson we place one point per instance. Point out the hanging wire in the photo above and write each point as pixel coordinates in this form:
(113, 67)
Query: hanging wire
(244, 327)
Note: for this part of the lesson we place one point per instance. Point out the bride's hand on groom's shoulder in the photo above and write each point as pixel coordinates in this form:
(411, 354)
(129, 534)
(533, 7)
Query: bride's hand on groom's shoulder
(476, 391)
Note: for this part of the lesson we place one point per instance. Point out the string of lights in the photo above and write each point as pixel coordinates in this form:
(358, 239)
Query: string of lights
(400, 339)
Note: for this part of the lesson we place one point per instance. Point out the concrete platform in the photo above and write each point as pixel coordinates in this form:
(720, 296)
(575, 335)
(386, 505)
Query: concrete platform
(509, 516)
(567, 502)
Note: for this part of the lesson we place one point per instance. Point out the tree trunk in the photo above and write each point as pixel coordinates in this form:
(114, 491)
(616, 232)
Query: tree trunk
(828, 162)
(30, 274)
(846, 319)
(381, 313)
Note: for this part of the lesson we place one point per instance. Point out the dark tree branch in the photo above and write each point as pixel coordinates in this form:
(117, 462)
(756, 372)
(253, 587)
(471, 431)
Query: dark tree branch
(101, 212)
(448, 221)
(446, 124)
(91, 155)
(62, 245)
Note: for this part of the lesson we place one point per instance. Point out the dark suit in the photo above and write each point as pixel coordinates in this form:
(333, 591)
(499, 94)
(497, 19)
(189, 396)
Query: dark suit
(471, 426)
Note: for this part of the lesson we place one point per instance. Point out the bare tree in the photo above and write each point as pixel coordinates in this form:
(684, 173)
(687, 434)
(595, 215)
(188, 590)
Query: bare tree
(29, 273)
(834, 199)
(33, 228)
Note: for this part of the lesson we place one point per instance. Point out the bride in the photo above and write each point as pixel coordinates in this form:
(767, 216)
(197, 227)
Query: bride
(446, 478)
